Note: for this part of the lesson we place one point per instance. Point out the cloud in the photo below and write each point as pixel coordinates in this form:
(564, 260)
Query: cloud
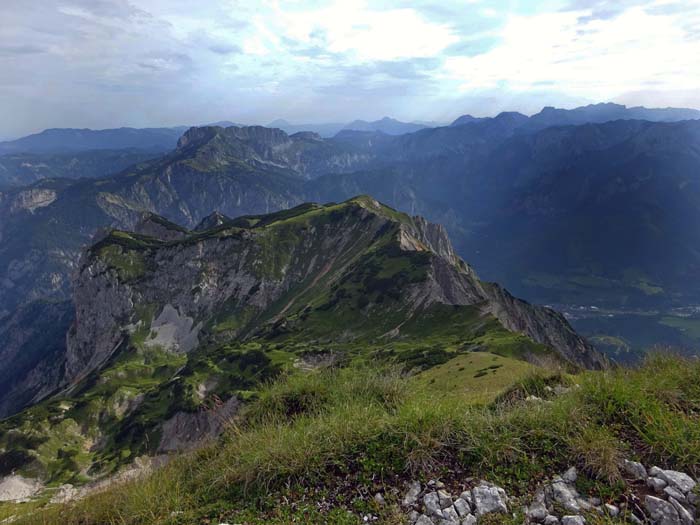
(587, 56)
(103, 63)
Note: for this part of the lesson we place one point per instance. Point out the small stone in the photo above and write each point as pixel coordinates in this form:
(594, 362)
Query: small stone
(612, 510)
(657, 484)
(654, 471)
(445, 499)
(467, 496)
(462, 507)
(584, 504)
(469, 519)
(573, 520)
(662, 512)
(439, 485)
(634, 470)
(379, 499)
(412, 495)
(672, 492)
(450, 514)
(565, 496)
(537, 511)
(488, 500)
(679, 480)
(570, 475)
(551, 520)
(432, 504)
(683, 513)
(424, 520)
(413, 516)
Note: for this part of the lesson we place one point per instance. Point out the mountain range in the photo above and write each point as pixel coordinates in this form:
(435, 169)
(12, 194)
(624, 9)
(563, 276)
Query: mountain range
(596, 213)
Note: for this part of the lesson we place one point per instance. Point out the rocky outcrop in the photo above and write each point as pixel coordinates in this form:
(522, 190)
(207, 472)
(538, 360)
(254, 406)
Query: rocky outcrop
(32, 199)
(555, 502)
(185, 430)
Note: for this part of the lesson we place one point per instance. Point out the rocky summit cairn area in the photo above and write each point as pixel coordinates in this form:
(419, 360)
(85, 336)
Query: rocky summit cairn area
(659, 497)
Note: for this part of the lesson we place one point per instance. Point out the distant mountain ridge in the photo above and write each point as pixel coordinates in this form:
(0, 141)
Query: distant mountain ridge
(68, 140)
(593, 113)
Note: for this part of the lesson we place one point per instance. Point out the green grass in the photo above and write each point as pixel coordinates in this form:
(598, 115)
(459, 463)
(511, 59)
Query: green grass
(478, 376)
(334, 435)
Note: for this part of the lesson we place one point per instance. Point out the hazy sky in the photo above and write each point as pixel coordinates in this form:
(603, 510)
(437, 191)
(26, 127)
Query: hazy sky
(107, 63)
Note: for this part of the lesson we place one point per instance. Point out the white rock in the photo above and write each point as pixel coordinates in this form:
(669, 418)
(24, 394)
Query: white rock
(432, 504)
(612, 510)
(573, 520)
(673, 492)
(467, 496)
(551, 520)
(462, 507)
(661, 512)
(683, 513)
(469, 519)
(565, 495)
(657, 484)
(424, 520)
(450, 514)
(412, 494)
(679, 480)
(634, 470)
(18, 488)
(488, 499)
(537, 511)
(570, 475)
(445, 499)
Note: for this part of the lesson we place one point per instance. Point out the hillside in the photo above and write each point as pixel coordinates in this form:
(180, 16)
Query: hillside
(172, 334)
(67, 140)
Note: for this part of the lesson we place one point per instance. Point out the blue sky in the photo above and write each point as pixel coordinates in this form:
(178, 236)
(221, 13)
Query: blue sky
(106, 63)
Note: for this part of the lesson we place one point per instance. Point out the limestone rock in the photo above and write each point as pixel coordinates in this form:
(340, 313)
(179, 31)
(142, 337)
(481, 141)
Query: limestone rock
(661, 512)
(634, 470)
(412, 494)
(573, 520)
(679, 480)
(488, 500)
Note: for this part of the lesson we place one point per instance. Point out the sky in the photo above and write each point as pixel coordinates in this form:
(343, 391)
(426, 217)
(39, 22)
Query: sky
(111, 63)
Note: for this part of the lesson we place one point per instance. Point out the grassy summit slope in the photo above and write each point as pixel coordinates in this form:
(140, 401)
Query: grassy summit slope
(315, 447)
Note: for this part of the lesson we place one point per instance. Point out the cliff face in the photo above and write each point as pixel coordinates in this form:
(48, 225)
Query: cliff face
(242, 279)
